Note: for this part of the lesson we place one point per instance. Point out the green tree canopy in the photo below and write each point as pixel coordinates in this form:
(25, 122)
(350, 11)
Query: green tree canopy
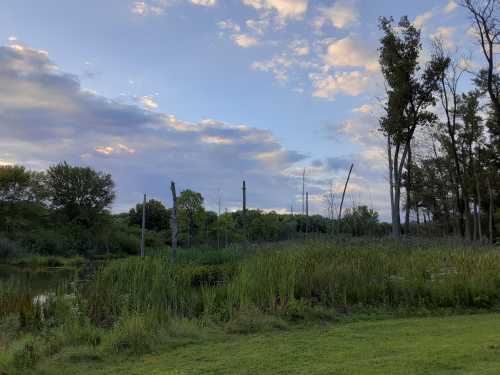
(157, 215)
(80, 193)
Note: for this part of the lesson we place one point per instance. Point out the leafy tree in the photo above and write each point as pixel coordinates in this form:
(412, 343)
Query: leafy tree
(362, 220)
(157, 215)
(81, 194)
(190, 205)
(22, 195)
(409, 94)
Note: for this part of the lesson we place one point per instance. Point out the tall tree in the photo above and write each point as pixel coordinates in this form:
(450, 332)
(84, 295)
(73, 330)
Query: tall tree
(449, 96)
(409, 94)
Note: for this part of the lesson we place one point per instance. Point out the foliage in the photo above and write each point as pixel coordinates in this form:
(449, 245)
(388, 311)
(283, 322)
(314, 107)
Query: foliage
(80, 193)
(157, 216)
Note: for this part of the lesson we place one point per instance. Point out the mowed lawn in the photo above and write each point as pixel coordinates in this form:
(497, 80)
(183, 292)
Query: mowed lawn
(448, 345)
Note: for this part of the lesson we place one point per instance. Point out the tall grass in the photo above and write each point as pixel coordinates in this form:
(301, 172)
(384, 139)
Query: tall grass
(333, 276)
(372, 277)
(134, 305)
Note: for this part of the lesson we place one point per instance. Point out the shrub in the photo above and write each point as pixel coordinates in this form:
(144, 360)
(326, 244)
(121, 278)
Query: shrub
(132, 334)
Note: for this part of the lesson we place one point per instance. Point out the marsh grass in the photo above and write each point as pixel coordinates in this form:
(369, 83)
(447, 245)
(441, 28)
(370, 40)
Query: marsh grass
(137, 305)
(307, 278)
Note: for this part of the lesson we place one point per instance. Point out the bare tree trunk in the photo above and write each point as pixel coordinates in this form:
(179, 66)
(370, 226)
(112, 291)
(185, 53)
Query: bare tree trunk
(343, 196)
(396, 225)
(173, 222)
(408, 193)
(491, 212)
(477, 207)
(244, 189)
(303, 190)
(418, 218)
(475, 223)
(307, 212)
(479, 227)
(143, 225)
(218, 218)
(391, 176)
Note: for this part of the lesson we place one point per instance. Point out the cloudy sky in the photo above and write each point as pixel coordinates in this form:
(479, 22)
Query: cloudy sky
(206, 93)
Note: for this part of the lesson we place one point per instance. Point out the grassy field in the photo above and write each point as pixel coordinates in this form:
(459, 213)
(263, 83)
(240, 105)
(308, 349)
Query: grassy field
(451, 345)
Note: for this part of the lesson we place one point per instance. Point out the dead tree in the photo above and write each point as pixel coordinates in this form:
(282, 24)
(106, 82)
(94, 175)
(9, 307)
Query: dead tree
(343, 195)
(307, 212)
(143, 225)
(244, 189)
(173, 221)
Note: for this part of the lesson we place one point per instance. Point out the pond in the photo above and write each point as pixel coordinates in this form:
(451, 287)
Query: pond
(43, 280)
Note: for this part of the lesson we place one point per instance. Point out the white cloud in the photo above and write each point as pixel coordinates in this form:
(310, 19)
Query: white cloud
(285, 9)
(450, 7)
(206, 3)
(365, 108)
(229, 25)
(299, 47)
(143, 8)
(327, 86)
(341, 15)
(217, 139)
(445, 35)
(119, 148)
(148, 102)
(278, 65)
(350, 52)
(244, 40)
(282, 64)
(259, 26)
(422, 19)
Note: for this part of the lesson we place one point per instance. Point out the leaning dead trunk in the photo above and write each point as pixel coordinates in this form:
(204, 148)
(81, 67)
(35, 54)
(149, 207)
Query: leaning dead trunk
(343, 195)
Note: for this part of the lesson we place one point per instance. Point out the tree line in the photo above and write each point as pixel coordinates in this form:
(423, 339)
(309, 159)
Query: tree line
(65, 210)
(443, 144)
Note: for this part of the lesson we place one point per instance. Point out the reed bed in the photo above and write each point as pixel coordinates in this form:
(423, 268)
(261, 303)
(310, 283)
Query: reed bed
(315, 274)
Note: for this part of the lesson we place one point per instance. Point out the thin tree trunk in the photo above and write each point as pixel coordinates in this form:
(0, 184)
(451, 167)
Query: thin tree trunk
(408, 193)
(491, 211)
(143, 228)
(173, 222)
(244, 189)
(307, 212)
(391, 177)
(478, 200)
(418, 218)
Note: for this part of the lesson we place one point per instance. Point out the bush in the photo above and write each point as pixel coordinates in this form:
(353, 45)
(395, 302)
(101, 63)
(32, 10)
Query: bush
(133, 335)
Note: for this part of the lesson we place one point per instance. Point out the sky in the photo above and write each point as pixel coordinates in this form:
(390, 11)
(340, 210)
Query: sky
(207, 93)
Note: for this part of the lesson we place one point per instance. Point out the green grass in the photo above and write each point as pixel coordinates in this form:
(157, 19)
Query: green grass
(453, 345)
